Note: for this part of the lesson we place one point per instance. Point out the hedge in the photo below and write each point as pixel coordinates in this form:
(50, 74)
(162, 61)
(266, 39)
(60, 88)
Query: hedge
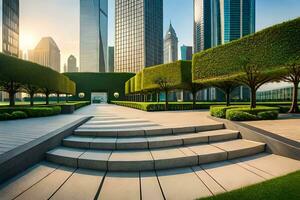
(41, 111)
(271, 48)
(99, 82)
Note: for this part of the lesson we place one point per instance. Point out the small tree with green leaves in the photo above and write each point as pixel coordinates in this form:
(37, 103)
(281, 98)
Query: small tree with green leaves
(165, 85)
(227, 87)
(293, 76)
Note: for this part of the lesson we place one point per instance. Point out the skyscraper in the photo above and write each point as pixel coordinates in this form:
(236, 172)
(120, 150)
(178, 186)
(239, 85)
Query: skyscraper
(9, 27)
(72, 64)
(111, 59)
(238, 19)
(207, 29)
(170, 46)
(139, 34)
(46, 53)
(9, 30)
(186, 52)
(93, 35)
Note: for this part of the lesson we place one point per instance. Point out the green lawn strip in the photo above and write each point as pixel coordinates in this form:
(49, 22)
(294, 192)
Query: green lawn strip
(282, 188)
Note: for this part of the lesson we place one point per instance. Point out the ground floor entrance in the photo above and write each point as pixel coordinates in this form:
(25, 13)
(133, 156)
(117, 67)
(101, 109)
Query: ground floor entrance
(99, 97)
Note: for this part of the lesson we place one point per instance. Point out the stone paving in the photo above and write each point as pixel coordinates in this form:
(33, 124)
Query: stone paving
(177, 155)
(287, 126)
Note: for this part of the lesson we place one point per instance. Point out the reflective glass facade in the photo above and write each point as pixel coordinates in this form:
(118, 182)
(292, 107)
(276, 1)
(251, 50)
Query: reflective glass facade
(186, 52)
(111, 59)
(139, 34)
(280, 94)
(9, 27)
(238, 19)
(93, 35)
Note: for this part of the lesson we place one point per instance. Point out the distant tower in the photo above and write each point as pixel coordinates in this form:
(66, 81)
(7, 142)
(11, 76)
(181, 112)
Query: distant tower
(72, 64)
(46, 53)
(170, 45)
(93, 35)
(111, 59)
(186, 52)
(138, 35)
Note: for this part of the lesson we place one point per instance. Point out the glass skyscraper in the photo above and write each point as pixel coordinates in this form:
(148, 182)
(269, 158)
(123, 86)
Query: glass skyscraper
(93, 35)
(9, 27)
(138, 34)
(186, 52)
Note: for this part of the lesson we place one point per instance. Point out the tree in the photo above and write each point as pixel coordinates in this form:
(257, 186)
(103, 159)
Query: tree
(293, 76)
(227, 87)
(194, 88)
(11, 87)
(165, 85)
(254, 77)
(31, 90)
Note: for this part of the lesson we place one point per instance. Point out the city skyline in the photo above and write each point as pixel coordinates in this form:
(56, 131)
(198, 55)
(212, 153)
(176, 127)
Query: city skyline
(66, 32)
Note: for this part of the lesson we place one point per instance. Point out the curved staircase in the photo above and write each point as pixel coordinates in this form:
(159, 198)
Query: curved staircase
(116, 144)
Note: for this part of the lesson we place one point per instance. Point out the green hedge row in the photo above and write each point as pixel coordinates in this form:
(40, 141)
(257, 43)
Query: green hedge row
(40, 111)
(244, 113)
(271, 49)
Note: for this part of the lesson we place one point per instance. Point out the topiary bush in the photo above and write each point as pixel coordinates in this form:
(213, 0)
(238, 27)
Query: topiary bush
(19, 115)
(41, 111)
(268, 115)
(5, 116)
(220, 111)
(236, 115)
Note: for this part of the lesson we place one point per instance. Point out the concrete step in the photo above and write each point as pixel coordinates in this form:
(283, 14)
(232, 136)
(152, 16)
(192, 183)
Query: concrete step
(116, 121)
(154, 159)
(140, 130)
(131, 143)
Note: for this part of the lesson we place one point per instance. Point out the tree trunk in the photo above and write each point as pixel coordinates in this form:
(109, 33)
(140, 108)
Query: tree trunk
(47, 99)
(227, 97)
(67, 98)
(157, 97)
(12, 98)
(194, 93)
(295, 107)
(167, 100)
(253, 97)
(31, 99)
(57, 97)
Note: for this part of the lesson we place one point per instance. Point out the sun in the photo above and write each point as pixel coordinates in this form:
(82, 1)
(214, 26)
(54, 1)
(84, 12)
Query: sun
(27, 42)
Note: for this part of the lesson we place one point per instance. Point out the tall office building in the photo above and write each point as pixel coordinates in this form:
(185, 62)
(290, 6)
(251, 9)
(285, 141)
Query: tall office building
(170, 46)
(207, 28)
(72, 64)
(46, 53)
(9, 30)
(111, 59)
(93, 35)
(139, 34)
(186, 52)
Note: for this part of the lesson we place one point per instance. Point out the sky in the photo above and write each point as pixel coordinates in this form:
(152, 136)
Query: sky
(60, 20)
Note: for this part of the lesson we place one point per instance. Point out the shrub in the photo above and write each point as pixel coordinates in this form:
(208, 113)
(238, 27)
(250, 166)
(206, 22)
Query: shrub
(236, 115)
(18, 115)
(220, 111)
(4, 116)
(40, 111)
(268, 115)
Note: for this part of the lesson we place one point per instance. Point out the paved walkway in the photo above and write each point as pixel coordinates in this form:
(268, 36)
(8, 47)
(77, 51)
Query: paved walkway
(51, 181)
(16, 133)
(287, 126)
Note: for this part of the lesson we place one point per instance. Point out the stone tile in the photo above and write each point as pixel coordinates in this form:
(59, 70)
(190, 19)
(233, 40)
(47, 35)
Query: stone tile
(158, 131)
(132, 143)
(209, 127)
(118, 185)
(131, 132)
(180, 130)
(172, 158)
(105, 143)
(207, 153)
(210, 183)
(130, 161)
(164, 141)
(94, 159)
(182, 184)
(20, 183)
(231, 176)
(240, 148)
(82, 185)
(272, 164)
(194, 138)
(65, 156)
(107, 132)
(47, 186)
(150, 188)
(77, 142)
(221, 135)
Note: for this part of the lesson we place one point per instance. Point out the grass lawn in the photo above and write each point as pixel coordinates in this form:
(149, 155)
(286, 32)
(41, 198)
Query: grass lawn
(282, 188)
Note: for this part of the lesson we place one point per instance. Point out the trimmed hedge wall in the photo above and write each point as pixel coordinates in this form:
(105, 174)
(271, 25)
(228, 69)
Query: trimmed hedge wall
(39, 111)
(99, 82)
(273, 48)
(31, 74)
